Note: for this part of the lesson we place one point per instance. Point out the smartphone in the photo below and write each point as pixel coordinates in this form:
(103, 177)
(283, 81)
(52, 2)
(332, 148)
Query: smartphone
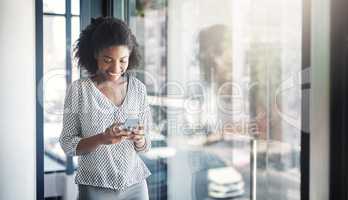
(130, 124)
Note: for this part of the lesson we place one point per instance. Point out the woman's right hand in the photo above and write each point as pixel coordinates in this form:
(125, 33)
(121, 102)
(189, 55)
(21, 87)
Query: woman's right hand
(113, 134)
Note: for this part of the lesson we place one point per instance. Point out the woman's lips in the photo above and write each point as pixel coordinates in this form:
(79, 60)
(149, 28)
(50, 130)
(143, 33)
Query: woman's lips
(114, 74)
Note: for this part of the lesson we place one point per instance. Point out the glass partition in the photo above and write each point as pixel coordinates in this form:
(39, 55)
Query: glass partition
(223, 81)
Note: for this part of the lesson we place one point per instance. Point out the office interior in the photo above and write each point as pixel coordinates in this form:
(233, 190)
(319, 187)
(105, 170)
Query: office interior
(275, 69)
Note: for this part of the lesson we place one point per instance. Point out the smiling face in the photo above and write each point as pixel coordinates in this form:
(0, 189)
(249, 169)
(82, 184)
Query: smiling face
(113, 62)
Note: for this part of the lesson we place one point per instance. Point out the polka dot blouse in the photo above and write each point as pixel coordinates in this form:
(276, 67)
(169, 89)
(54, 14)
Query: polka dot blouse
(87, 112)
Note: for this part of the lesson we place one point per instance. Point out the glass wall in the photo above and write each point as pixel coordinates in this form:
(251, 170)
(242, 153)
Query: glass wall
(221, 76)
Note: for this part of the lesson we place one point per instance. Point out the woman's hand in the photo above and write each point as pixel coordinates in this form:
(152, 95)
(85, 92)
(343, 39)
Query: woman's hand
(114, 135)
(137, 136)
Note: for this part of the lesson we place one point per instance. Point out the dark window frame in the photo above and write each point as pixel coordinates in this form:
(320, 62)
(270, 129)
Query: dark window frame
(39, 98)
(305, 108)
(338, 100)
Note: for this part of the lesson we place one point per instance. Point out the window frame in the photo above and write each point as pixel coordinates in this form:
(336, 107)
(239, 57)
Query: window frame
(338, 101)
(305, 109)
(39, 59)
(39, 98)
(68, 68)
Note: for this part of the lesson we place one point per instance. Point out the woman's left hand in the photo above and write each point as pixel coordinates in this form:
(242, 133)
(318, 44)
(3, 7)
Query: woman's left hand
(137, 136)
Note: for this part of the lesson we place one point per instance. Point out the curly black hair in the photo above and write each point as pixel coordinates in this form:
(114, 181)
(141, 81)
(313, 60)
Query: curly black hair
(101, 33)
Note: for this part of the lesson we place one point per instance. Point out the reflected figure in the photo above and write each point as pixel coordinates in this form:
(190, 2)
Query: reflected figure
(221, 92)
(215, 63)
(215, 54)
(212, 175)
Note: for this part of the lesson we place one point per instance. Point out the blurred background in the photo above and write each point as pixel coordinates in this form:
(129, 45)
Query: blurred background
(235, 88)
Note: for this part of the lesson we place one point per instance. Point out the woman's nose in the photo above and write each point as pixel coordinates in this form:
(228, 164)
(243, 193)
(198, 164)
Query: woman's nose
(116, 67)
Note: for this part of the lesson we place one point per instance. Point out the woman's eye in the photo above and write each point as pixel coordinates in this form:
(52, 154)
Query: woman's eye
(123, 61)
(107, 60)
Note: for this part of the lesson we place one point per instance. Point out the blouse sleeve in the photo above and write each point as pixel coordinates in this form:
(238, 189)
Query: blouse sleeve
(71, 132)
(145, 119)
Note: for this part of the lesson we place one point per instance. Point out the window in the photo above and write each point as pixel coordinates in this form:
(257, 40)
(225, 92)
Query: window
(222, 76)
(61, 30)
(223, 82)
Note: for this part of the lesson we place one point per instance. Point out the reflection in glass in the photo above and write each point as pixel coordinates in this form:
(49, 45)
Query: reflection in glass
(216, 74)
(151, 33)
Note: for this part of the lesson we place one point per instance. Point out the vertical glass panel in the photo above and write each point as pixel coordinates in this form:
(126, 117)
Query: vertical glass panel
(276, 67)
(75, 7)
(54, 6)
(57, 184)
(152, 37)
(54, 84)
(75, 31)
(150, 28)
(221, 75)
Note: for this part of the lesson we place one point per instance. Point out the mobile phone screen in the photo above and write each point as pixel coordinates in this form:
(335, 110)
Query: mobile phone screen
(131, 123)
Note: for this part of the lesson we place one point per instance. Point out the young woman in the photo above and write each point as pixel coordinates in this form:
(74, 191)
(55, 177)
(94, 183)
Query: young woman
(96, 107)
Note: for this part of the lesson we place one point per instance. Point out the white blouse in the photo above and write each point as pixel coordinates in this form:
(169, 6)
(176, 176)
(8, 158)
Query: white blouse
(87, 112)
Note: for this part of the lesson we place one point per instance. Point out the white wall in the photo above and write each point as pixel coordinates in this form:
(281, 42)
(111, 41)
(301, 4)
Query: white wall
(319, 109)
(17, 100)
